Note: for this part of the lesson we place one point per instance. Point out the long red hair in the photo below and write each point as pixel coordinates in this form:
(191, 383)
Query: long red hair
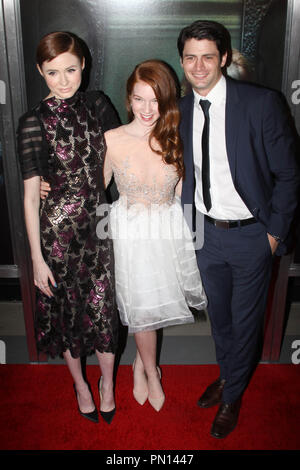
(160, 77)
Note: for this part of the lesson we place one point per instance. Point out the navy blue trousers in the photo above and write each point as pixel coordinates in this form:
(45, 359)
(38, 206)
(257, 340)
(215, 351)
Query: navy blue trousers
(235, 266)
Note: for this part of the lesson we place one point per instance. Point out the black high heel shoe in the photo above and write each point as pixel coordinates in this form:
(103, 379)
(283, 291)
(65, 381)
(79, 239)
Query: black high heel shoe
(106, 415)
(93, 415)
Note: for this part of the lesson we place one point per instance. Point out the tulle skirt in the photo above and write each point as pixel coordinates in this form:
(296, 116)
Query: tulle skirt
(157, 277)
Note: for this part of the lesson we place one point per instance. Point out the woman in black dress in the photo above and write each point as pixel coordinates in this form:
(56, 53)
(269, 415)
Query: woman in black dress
(62, 140)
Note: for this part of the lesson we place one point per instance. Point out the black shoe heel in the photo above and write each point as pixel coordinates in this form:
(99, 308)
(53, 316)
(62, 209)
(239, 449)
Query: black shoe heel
(106, 415)
(93, 415)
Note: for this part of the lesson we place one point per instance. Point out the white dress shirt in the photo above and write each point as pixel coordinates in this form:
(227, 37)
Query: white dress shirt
(226, 202)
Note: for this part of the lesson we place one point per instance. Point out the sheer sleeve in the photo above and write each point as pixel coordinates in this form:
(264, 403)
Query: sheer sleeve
(104, 110)
(32, 147)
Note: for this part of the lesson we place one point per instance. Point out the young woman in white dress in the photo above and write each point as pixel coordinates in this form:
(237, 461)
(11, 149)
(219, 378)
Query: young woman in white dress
(157, 277)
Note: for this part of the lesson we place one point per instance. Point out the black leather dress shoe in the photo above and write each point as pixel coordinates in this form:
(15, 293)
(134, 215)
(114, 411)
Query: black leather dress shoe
(212, 395)
(226, 419)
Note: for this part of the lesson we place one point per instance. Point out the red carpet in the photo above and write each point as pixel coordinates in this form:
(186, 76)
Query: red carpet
(38, 411)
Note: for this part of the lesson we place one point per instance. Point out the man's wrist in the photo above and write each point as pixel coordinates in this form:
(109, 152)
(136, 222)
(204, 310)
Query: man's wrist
(278, 239)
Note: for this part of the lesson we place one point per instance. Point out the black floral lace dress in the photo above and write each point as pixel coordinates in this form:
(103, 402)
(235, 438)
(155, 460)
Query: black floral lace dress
(63, 141)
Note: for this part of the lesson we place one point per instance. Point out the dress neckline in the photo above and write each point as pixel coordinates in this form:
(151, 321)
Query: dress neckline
(54, 102)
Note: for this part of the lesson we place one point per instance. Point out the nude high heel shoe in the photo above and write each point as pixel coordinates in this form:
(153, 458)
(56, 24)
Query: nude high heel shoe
(157, 403)
(140, 392)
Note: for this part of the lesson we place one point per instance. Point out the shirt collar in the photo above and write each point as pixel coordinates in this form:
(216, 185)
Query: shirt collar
(217, 94)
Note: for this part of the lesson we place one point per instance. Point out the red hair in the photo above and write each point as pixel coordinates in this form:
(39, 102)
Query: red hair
(160, 77)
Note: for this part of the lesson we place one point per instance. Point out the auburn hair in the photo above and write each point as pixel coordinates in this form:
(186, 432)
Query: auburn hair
(160, 77)
(56, 43)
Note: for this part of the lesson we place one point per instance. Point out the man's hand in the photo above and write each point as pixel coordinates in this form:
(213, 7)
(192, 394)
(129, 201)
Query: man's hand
(273, 243)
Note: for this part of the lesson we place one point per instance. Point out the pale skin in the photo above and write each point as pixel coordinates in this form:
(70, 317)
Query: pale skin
(202, 67)
(63, 78)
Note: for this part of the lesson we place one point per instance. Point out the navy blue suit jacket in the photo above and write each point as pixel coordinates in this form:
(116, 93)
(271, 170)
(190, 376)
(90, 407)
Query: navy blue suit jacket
(261, 151)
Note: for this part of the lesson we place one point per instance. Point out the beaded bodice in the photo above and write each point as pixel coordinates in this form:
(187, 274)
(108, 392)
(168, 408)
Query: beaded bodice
(156, 189)
(140, 174)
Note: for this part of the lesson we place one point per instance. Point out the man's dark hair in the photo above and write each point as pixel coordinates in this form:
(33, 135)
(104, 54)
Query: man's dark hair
(210, 30)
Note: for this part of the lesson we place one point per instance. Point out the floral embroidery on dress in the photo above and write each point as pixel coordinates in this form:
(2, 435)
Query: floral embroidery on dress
(137, 191)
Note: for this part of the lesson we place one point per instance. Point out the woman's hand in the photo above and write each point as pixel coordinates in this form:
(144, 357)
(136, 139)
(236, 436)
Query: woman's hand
(44, 189)
(42, 275)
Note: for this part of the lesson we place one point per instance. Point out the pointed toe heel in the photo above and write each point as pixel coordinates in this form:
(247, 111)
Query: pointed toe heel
(157, 403)
(92, 416)
(140, 395)
(106, 415)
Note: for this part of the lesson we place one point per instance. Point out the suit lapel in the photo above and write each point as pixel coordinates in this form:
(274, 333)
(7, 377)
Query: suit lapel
(187, 113)
(188, 187)
(232, 123)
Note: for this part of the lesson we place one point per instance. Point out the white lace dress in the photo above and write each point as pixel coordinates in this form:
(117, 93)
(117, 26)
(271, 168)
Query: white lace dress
(157, 278)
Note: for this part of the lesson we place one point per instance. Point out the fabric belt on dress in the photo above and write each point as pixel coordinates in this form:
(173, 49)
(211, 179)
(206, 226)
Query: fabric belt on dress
(230, 223)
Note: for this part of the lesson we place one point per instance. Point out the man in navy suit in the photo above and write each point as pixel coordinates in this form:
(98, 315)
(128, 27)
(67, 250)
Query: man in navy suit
(241, 173)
